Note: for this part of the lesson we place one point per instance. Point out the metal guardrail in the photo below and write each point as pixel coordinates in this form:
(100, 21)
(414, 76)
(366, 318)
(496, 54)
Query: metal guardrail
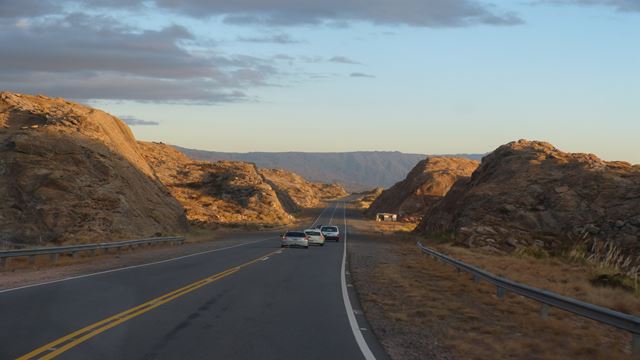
(53, 252)
(548, 299)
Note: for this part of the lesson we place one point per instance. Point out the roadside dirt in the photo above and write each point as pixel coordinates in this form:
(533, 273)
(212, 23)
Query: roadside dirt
(422, 309)
(384, 302)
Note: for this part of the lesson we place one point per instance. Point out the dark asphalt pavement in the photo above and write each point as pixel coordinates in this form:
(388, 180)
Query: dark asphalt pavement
(287, 305)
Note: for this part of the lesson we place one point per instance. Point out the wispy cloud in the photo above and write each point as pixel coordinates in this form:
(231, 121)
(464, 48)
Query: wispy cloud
(133, 121)
(361, 75)
(343, 60)
(620, 5)
(272, 39)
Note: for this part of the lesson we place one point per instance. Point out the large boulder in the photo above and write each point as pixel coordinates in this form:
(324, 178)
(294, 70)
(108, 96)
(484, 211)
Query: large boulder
(529, 193)
(425, 185)
(70, 173)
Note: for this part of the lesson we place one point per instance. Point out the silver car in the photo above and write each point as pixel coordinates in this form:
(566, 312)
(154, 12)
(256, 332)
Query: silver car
(331, 233)
(294, 238)
(315, 237)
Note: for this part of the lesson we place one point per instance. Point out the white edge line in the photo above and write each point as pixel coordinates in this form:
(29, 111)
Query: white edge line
(355, 328)
(333, 213)
(138, 266)
(129, 267)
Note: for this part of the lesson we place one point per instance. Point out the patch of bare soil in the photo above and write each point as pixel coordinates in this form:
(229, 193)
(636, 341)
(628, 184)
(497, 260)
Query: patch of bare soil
(422, 309)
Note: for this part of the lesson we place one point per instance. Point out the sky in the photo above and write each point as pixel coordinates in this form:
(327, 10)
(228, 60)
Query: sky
(417, 76)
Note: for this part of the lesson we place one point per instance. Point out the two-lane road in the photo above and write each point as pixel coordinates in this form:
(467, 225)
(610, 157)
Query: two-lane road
(253, 301)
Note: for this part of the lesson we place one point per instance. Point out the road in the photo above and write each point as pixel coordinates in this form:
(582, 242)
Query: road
(250, 301)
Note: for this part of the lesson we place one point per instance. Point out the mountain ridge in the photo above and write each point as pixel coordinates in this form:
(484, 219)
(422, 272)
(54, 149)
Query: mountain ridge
(356, 170)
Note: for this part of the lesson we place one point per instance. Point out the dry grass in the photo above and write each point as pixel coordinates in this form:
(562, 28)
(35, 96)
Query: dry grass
(613, 264)
(554, 274)
(394, 227)
(44, 261)
(473, 323)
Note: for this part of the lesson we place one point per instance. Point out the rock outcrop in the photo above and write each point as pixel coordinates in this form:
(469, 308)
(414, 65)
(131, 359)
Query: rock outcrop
(221, 192)
(528, 193)
(70, 173)
(363, 200)
(426, 184)
(295, 192)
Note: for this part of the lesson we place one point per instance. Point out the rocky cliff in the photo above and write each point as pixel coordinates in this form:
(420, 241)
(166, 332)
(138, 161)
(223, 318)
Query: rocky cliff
(528, 193)
(221, 192)
(72, 173)
(295, 192)
(425, 184)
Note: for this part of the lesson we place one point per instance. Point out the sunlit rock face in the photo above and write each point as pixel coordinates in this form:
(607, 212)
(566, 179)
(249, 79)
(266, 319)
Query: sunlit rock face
(528, 193)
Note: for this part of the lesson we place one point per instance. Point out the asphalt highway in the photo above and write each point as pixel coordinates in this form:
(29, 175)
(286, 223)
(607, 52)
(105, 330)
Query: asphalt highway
(250, 301)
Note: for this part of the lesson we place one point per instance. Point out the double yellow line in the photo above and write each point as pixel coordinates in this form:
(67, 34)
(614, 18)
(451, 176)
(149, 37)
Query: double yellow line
(59, 346)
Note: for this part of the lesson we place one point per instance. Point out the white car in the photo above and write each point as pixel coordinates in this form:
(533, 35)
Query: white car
(294, 238)
(330, 233)
(315, 237)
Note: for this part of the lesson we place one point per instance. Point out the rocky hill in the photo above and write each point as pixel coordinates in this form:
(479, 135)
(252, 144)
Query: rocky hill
(222, 192)
(356, 171)
(72, 173)
(425, 184)
(295, 192)
(528, 193)
(364, 199)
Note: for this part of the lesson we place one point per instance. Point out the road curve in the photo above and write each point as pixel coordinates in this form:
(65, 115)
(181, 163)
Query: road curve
(255, 301)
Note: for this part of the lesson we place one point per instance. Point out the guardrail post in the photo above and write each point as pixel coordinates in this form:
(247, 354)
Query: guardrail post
(501, 292)
(544, 311)
(635, 345)
(3, 262)
(476, 278)
(92, 252)
(53, 258)
(74, 254)
(32, 260)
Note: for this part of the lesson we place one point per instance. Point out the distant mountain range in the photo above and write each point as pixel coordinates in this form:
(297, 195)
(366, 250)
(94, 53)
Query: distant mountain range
(357, 171)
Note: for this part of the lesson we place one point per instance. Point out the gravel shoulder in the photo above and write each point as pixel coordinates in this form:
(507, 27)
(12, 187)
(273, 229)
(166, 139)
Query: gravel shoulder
(400, 339)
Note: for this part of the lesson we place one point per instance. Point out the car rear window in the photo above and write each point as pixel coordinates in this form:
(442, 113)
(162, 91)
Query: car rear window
(330, 229)
(294, 234)
(312, 233)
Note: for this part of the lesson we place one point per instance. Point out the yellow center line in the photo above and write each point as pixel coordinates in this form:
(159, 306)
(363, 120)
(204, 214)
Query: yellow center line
(59, 346)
